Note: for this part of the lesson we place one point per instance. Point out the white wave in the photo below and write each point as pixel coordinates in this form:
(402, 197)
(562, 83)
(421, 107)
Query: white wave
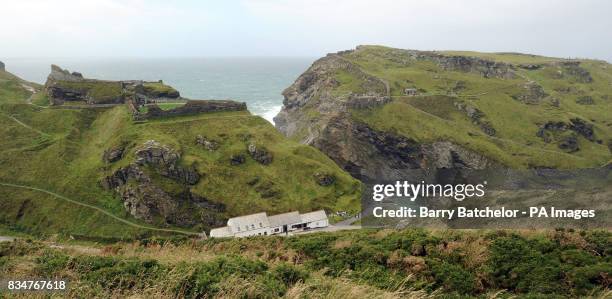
(271, 113)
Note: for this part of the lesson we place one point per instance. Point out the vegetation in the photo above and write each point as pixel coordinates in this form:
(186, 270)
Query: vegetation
(169, 106)
(159, 88)
(433, 115)
(61, 150)
(366, 263)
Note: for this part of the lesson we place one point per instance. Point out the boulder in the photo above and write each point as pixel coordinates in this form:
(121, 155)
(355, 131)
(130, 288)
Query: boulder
(583, 128)
(569, 143)
(259, 154)
(113, 154)
(324, 179)
(585, 100)
(237, 159)
(209, 145)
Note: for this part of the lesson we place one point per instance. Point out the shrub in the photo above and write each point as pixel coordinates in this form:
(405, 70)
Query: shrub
(289, 274)
(452, 277)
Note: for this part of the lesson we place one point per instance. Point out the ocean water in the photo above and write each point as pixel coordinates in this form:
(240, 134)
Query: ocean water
(258, 81)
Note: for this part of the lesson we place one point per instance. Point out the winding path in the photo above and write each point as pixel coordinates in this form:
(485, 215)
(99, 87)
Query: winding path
(136, 225)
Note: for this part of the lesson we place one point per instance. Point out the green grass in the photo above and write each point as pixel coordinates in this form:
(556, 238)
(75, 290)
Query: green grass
(159, 88)
(432, 116)
(61, 150)
(169, 106)
(368, 263)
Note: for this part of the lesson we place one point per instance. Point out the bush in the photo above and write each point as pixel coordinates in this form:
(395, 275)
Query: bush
(452, 277)
(51, 262)
(289, 274)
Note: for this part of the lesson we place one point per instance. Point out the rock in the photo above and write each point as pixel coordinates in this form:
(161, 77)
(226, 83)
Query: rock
(165, 161)
(575, 71)
(585, 100)
(209, 145)
(59, 74)
(113, 154)
(532, 93)
(530, 66)
(476, 116)
(569, 144)
(324, 179)
(565, 134)
(259, 154)
(554, 102)
(2, 66)
(237, 159)
(146, 201)
(484, 67)
(583, 128)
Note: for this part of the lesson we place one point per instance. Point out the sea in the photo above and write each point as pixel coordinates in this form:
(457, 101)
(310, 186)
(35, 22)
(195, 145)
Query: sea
(258, 81)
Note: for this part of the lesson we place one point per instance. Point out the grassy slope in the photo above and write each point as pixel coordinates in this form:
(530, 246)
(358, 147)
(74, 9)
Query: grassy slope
(352, 264)
(432, 116)
(61, 150)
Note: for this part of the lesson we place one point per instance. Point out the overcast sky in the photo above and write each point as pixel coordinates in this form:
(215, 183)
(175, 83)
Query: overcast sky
(126, 28)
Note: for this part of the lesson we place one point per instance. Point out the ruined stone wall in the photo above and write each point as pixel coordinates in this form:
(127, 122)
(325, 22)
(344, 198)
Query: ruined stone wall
(196, 107)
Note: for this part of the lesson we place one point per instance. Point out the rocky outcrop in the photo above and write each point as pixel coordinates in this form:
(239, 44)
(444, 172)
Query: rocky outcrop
(532, 93)
(59, 74)
(368, 154)
(165, 161)
(318, 116)
(197, 107)
(484, 67)
(113, 154)
(209, 145)
(477, 117)
(324, 179)
(237, 159)
(573, 70)
(585, 100)
(65, 86)
(2, 67)
(146, 200)
(259, 154)
(566, 134)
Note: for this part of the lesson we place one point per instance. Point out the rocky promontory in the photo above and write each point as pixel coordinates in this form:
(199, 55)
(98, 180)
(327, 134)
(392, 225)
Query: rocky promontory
(381, 112)
(63, 86)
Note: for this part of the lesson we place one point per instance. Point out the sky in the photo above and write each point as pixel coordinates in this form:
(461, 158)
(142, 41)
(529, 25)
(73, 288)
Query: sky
(310, 28)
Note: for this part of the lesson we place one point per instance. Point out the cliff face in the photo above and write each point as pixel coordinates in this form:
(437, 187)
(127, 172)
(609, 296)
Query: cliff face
(63, 86)
(380, 112)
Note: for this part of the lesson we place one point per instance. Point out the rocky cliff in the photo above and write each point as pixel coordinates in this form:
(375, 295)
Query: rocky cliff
(65, 86)
(380, 112)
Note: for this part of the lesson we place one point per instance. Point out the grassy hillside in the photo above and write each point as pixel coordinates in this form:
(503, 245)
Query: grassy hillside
(61, 150)
(504, 104)
(350, 264)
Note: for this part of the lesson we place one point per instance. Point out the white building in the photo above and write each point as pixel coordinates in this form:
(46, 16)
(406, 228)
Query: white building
(261, 225)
